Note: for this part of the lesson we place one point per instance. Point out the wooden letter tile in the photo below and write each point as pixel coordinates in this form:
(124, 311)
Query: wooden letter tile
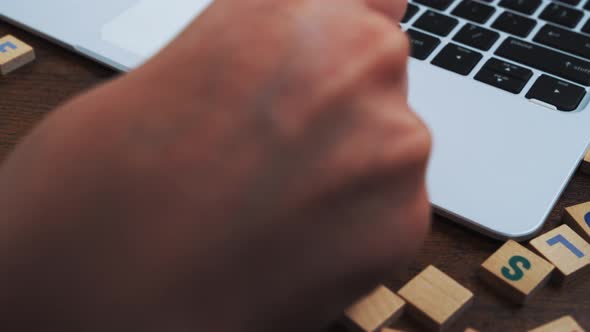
(435, 299)
(14, 54)
(566, 250)
(564, 324)
(578, 218)
(516, 272)
(375, 310)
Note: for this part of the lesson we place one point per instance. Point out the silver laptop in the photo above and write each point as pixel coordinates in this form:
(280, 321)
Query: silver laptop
(503, 84)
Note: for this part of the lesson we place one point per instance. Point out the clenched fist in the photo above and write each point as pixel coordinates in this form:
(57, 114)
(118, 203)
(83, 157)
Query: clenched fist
(259, 174)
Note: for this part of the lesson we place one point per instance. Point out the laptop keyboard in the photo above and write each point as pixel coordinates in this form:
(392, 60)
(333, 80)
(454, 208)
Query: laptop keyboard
(535, 48)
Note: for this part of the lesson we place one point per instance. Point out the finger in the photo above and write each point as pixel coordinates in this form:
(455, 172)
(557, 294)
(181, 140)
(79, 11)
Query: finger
(391, 8)
(391, 64)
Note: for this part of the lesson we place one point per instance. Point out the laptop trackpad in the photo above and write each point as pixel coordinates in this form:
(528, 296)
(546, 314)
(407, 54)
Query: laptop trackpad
(151, 24)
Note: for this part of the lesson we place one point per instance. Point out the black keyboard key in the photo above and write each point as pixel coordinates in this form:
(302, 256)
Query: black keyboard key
(563, 95)
(587, 5)
(586, 27)
(570, 2)
(500, 80)
(436, 23)
(523, 6)
(457, 59)
(504, 75)
(565, 40)
(515, 24)
(410, 12)
(544, 59)
(474, 11)
(561, 15)
(422, 44)
(509, 69)
(436, 4)
(475, 36)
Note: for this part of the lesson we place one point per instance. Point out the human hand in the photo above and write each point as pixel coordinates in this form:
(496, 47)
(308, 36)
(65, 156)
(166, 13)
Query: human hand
(260, 173)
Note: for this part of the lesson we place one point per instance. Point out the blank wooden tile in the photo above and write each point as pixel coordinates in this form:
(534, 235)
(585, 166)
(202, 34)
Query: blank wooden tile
(564, 324)
(578, 218)
(375, 310)
(14, 54)
(586, 163)
(385, 329)
(469, 329)
(435, 299)
(565, 249)
(515, 272)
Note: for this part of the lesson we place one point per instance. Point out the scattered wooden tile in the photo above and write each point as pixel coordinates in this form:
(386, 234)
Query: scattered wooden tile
(564, 324)
(565, 249)
(586, 163)
(578, 218)
(435, 299)
(516, 272)
(376, 309)
(385, 329)
(469, 329)
(14, 54)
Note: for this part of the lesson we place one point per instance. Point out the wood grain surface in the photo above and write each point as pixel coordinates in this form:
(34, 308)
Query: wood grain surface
(30, 93)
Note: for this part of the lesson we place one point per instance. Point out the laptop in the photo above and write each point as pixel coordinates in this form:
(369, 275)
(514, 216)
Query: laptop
(503, 85)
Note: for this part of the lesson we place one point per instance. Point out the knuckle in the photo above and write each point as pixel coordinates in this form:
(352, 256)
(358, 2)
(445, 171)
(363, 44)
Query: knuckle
(400, 43)
(419, 135)
(393, 49)
(410, 146)
(387, 44)
(423, 138)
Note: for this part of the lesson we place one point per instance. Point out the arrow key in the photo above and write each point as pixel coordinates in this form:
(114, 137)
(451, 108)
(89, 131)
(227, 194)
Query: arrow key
(563, 95)
(510, 69)
(500, 80)
(457, 59)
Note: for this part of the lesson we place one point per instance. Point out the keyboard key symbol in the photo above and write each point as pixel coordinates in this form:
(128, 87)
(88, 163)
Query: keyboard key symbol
(4, 47)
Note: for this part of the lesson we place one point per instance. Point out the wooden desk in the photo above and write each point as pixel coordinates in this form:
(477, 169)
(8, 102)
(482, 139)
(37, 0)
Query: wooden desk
(28, 94)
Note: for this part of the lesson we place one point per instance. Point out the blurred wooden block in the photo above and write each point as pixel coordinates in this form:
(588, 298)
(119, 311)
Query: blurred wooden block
(471, 330)
(564, 324)
(375, 310)
(566, 250)
(516, 272)
(586, 163)
(578, 218)
(14, 54)
(385, 329)
(435, 299)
